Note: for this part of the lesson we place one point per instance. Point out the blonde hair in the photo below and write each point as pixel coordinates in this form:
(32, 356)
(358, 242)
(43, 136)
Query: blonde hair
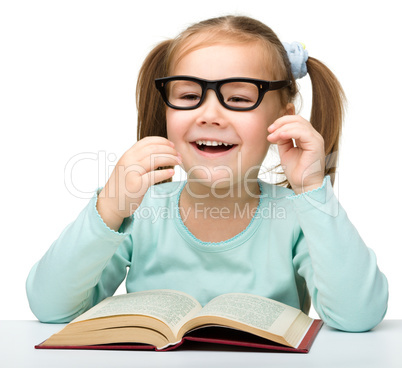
(327, 94)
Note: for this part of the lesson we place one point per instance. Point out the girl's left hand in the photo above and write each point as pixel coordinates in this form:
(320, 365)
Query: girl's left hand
(303, 163)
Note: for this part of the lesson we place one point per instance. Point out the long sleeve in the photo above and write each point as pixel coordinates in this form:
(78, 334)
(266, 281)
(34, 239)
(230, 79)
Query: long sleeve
(83, 266)
(347, 289)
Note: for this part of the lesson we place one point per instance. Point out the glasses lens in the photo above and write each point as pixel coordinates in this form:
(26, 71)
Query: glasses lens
(182, 93)
(239, 94)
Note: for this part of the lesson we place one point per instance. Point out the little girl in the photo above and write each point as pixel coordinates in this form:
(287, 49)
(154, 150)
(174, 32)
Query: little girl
(212, 101)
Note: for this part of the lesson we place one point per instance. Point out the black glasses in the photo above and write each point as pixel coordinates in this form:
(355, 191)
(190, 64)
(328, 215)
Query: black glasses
(239, 94)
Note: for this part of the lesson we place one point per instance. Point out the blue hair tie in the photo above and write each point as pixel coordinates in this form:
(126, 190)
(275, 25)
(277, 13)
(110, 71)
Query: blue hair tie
(298, 56)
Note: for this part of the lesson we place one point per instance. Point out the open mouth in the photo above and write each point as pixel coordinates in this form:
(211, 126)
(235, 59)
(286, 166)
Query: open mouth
(213, 146)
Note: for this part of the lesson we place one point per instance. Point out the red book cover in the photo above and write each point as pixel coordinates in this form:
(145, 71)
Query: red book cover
(219, 336)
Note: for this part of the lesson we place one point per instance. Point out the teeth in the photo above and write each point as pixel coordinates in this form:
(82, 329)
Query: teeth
(212, 143)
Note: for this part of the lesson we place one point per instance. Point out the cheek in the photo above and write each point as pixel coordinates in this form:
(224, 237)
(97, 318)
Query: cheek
(271, 108)
(260, 143)
(172, 125)
(169, 127)
(254, 135)
(257, 136)
(255, 143)
(255, 129)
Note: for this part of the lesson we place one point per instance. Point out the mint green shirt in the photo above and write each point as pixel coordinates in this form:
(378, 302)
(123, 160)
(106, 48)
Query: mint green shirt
(296, 249)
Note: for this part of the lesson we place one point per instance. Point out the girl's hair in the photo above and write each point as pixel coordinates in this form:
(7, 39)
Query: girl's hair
(327, 95)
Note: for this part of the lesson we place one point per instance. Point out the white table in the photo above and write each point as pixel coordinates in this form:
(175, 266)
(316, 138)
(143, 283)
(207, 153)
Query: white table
(379, 348)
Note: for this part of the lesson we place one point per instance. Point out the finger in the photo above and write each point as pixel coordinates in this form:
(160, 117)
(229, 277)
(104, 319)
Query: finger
(287, 119)
(154, 149)
(152, 140)
(155, 161)
(157, 176)
(284, 146)
(155, 140)
(304, 138)
(295, 133)
(147, 153)
(297, 129)
(276, 135)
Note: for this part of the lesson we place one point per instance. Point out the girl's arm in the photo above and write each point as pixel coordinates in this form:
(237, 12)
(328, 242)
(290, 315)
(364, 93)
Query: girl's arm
(347, 289)
(83, 266)
(89, 260)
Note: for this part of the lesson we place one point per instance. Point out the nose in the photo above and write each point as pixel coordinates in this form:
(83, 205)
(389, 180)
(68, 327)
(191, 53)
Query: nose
(211, 111)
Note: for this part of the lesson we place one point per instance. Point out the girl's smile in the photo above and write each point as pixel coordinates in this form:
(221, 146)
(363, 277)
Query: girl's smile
(212, 148)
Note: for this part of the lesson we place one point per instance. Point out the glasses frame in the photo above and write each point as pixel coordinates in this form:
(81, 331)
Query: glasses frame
(262, 85)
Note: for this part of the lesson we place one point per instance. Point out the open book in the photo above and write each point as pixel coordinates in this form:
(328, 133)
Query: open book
(164, 319)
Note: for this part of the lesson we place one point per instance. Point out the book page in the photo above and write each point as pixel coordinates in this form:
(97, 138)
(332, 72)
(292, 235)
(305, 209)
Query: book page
(169, 306)
(252, 310)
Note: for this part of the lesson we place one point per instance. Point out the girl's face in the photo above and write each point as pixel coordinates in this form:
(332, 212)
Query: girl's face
(222, 166)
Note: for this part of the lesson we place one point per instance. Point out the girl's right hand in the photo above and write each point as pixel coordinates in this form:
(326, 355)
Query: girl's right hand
(134, 173)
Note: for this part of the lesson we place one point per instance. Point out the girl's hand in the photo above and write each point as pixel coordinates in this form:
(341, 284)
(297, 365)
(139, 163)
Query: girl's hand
(134, 173)
(303, 163)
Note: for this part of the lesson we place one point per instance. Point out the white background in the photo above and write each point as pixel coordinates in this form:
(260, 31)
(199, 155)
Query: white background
(68, 72)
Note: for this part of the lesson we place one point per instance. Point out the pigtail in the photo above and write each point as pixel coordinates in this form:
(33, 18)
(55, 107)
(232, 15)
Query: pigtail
(327, 111)
(151, 109)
